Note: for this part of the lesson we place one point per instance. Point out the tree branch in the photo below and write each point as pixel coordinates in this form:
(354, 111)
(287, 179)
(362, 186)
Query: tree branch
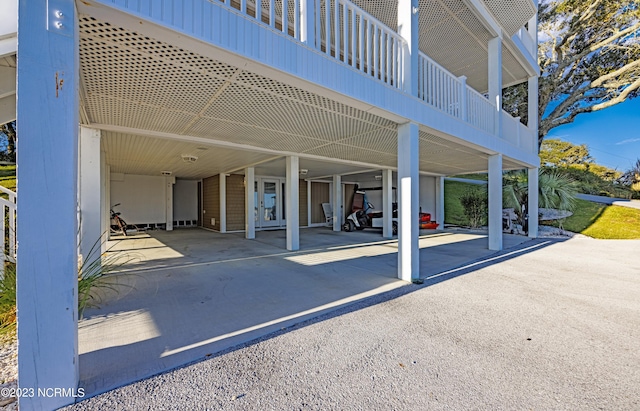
(620, 98)
(603, 43)
(600, 81)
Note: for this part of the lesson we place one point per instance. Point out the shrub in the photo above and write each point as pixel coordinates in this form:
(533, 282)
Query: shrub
(475, 204)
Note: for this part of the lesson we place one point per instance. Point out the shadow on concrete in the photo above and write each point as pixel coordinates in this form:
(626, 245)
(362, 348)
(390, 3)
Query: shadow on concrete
(196, 294)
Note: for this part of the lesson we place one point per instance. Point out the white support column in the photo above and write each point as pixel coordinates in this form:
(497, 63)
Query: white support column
(292, 202)
(90, 194)
(307, 22)
(439, 217)
(168, 191)
(495, 202)
(337, 203)
(532, 206)
(47, 294)
(309, 203)
(495, 82)
(408, 29)
(533, 27)
(107, 199)
(104, 201)
(532, 102)
(387, 206)
(250, 203)
(463, 98)
(408, 199)
(223, 203)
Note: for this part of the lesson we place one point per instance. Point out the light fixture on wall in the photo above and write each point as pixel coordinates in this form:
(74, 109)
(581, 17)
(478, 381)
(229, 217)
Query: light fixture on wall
(166, 173)
(304, 171)
(378, 178)
(187, 158)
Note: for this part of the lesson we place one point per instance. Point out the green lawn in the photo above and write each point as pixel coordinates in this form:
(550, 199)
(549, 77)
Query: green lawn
(591, 219)
(602, 221)
(8, 178)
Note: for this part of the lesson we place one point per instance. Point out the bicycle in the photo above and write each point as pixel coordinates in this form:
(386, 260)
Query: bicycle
(120, 224)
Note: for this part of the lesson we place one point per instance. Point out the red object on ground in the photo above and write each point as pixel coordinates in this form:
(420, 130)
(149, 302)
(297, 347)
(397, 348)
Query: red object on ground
(426, 223)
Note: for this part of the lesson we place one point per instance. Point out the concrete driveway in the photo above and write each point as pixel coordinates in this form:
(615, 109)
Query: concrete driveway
(191, 293)
(546, 325)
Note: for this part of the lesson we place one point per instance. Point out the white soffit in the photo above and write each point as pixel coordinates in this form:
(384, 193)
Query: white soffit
(133, 154)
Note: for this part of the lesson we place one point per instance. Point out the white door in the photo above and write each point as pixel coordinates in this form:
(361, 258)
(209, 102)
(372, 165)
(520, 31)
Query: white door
(270, 202)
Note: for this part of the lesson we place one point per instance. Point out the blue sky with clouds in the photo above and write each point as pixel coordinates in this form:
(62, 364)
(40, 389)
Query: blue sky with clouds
(612, 134)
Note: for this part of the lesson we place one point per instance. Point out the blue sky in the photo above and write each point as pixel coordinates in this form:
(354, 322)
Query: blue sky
(612, 134)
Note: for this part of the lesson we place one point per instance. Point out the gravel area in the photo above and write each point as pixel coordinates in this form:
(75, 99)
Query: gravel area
(555, 326)
(8, 370)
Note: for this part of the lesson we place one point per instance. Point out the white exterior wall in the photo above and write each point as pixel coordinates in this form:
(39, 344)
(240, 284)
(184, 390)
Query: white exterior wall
(142, 198)
(427, 199)
(185, 200)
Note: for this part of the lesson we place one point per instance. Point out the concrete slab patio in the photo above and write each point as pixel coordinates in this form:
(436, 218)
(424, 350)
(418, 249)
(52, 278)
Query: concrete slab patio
(191, 293)
(554, 325)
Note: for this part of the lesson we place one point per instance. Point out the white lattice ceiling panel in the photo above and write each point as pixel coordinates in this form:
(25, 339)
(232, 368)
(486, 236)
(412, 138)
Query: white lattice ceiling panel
(384, 140)
(256, 107)
(345, 152)
(512, 14)
(275, 88)
(116, 111)
(130, 71)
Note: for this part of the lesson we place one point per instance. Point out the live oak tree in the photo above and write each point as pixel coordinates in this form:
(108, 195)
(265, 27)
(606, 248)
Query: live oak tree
(589, 54)
(558, 153)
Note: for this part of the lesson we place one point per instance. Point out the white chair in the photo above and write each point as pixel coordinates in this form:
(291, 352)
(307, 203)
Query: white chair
(328, 213)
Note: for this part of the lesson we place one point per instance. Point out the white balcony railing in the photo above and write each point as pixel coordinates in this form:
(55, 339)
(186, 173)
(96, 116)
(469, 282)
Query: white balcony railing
(439, 88)
(528, 42)
(7, 231)
(358, 39)
(347, 33)
(517, 133)
(480, 111)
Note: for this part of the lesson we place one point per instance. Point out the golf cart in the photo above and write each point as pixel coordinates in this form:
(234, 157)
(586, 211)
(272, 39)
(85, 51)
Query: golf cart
(362, 215)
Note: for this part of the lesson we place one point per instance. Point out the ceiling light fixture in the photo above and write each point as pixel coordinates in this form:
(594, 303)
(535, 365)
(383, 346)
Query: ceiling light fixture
(187, 158)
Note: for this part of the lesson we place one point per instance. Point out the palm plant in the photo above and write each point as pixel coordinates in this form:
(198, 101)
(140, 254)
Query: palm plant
(554, 191)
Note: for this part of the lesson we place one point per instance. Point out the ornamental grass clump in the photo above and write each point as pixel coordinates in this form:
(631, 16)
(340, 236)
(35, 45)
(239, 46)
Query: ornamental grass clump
(96, 273)
(8, 299)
